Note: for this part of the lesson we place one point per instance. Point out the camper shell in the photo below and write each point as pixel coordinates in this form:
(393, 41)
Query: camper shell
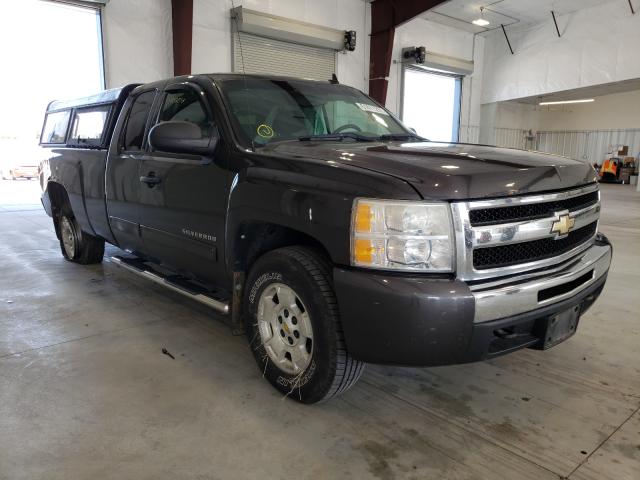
(85, 122)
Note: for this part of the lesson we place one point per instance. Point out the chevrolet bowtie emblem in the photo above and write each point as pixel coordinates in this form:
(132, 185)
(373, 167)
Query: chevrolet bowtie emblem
(563, 225)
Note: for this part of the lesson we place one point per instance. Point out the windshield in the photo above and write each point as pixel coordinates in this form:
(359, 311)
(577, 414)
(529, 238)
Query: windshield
(265, 111)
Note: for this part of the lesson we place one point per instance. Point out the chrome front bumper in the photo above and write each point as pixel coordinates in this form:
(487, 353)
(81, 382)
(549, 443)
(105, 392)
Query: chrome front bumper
(527, 292)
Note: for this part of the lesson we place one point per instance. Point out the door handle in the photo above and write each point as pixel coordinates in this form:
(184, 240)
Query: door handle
(151, 180)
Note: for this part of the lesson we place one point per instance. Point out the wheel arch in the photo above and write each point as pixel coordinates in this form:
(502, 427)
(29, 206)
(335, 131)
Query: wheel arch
(56, 196)
(254, 238)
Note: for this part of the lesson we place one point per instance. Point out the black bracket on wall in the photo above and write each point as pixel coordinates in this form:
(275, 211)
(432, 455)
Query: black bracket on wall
(633, 12)
(553, 14)
(507, 38)
(414, 54)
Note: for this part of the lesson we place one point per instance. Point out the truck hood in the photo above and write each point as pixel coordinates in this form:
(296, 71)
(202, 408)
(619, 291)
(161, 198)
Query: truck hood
(448, 171)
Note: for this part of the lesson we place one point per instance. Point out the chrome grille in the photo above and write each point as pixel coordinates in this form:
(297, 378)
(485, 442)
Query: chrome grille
(494, 216)
(505, 255)
(512, 235)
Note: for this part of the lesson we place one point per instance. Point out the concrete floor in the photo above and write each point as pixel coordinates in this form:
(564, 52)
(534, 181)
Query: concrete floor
(85, 391)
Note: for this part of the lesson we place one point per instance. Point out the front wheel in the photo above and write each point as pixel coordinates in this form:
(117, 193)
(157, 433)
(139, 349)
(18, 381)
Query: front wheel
(293, 325)
(77, 246)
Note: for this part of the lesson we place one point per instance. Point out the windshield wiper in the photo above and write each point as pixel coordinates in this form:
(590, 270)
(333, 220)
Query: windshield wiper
(338, 137)
(401, 137)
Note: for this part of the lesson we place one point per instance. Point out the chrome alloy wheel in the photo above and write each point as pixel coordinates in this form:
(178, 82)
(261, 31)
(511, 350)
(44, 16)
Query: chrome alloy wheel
(68, 236)
(285, 328)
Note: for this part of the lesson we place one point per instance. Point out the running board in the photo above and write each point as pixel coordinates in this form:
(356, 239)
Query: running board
(193, 292)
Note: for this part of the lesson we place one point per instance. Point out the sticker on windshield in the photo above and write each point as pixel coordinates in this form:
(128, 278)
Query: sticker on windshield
(371, 108)
(265, 131)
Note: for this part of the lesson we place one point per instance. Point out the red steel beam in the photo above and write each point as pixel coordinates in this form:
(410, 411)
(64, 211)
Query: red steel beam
(386, 15)
(182, 25)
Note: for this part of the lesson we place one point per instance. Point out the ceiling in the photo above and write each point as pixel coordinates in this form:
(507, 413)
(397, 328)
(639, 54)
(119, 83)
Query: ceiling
(460, 13)
(585, 92)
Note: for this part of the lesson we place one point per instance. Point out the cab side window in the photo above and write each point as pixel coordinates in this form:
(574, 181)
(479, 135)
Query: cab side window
(137, 121)
(186, 106)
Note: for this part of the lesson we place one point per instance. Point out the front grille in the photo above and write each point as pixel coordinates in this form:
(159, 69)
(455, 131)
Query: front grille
(505, 255)
(494, 216)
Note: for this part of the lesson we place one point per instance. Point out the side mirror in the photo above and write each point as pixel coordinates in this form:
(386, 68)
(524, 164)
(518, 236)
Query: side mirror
(181, 137)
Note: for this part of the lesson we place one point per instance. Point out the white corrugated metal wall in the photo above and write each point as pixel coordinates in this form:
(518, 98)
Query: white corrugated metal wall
(591, 146)
(501, 137)
(469, 133)
(510, 137)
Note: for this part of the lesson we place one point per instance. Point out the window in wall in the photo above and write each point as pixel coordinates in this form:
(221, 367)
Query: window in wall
(431, 104)
(57, 49)
(55, 127)
(88, 125)
(137, 121)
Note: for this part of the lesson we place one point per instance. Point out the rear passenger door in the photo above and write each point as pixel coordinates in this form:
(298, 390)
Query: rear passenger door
(123, 177)
(182, 211)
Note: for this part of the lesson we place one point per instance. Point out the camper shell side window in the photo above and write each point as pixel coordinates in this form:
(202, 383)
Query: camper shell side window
(89, 125)
(54, 130)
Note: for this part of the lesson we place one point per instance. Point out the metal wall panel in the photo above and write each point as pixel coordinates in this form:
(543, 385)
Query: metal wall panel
(469, 133)
(510, 138)
(590, 146)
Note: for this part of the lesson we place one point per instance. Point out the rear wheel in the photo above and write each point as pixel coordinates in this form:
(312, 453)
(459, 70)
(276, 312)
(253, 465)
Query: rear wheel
(293, 325)
(77, 246)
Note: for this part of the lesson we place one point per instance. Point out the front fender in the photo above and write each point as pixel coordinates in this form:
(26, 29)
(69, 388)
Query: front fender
(313, 199)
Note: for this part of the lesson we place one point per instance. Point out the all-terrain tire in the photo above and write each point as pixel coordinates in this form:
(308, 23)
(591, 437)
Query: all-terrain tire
(308, 274)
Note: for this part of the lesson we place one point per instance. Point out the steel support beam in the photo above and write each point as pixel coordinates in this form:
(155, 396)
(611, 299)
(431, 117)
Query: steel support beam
(386, 15)
(182, 24)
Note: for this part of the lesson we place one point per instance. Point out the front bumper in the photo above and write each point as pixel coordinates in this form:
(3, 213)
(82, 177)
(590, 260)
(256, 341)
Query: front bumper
(423, 321)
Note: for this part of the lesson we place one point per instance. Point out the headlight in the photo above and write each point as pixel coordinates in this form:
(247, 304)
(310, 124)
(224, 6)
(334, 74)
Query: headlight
(401, 235)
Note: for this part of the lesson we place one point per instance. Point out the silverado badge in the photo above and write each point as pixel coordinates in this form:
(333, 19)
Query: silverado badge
(198, 235)
(563, 225)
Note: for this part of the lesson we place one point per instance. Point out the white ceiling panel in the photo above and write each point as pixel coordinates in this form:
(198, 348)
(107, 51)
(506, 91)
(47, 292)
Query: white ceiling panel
(460, 13)
(585, 92)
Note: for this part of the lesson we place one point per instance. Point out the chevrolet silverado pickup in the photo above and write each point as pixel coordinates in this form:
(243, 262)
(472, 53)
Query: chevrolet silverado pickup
(322, 228)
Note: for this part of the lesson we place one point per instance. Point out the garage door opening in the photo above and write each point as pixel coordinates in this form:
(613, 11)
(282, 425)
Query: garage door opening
(431, 103)
(52, 50)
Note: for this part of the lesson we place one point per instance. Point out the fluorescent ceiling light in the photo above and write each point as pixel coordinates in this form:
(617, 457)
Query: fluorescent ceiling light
(481, 22)
(563, 102)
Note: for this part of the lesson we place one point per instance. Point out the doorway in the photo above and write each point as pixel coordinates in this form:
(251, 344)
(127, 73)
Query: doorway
(51, 51)
(431, 103)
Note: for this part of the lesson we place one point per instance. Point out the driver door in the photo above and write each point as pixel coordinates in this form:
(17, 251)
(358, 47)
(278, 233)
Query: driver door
(183, 196)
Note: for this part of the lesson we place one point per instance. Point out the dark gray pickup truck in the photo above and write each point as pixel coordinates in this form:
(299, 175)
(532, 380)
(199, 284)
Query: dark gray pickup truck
(326, 231)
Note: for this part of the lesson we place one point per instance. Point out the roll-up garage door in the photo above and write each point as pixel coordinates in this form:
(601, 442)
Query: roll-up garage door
(267, 56)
